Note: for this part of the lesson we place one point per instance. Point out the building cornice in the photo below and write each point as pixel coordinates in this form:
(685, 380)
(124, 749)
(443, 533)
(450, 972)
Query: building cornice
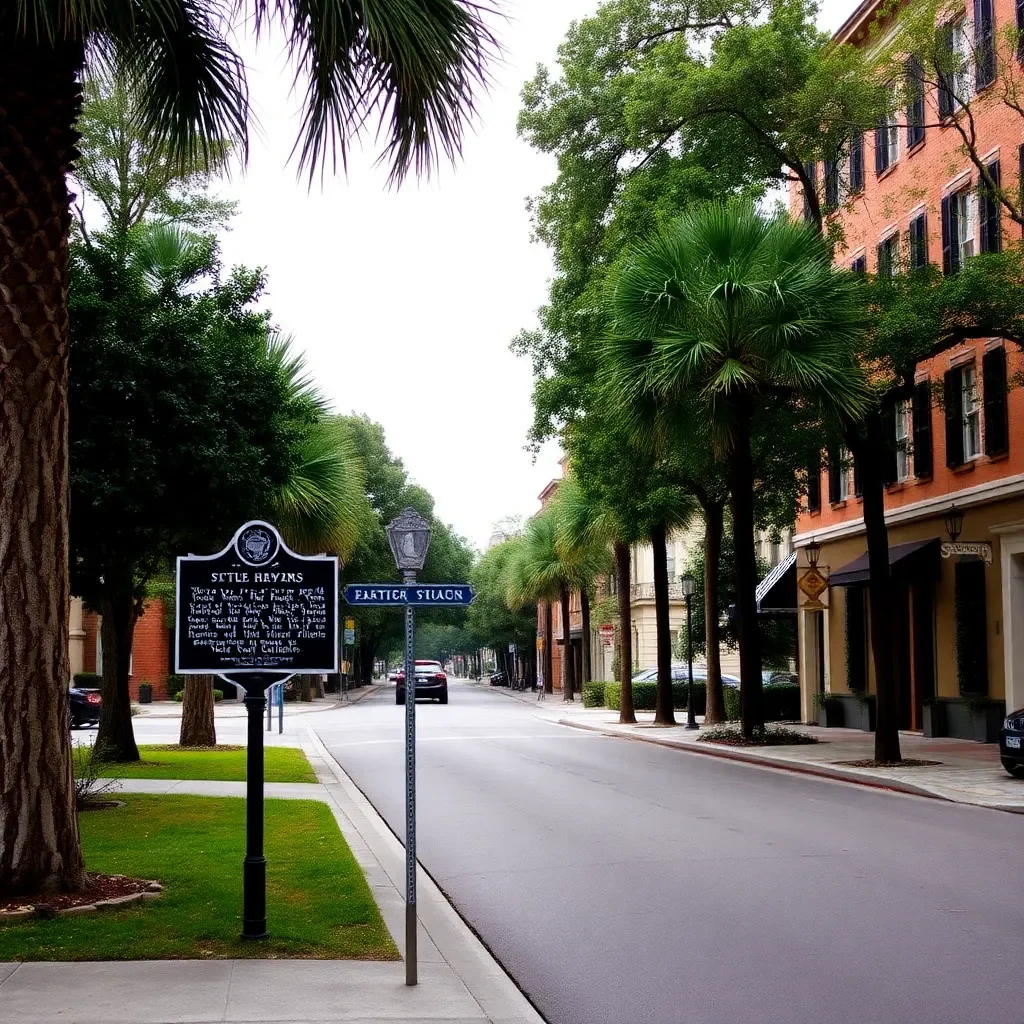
(981, 494)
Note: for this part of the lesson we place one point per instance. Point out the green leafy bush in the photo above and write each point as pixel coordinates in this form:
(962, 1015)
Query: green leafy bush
(732, 702)
(218, 695)
(767, 736)
(593, 695)
(780, 702)
(645, 696)
(175, 685)
(87, 680)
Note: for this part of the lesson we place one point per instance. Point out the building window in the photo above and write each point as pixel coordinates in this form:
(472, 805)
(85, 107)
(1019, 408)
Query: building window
(956, 75)
(919, 242)
(988, 211)
(838, 476)
(889, 255)
(887, 142)
(670, 564)
(963, 416)
(903, 421)
(958, 229)
(832, 186)
(915, 102)
(859, 265)
(811, 171)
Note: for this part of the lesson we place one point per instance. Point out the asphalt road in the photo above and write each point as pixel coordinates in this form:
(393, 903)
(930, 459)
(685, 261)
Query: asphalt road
(620, 882)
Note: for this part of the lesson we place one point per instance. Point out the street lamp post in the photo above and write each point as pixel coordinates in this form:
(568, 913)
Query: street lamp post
(688, 586)
(409, 538)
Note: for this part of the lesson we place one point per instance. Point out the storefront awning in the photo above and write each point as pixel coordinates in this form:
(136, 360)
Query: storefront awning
(776, 593)
(906, 561)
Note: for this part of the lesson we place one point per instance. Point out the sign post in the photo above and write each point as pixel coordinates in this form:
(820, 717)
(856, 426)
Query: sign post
(256, 614)
(409, 538)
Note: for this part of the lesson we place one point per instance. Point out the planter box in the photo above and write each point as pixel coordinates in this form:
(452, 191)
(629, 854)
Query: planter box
(934, 714)
(830, 714)
(970, 722)
(858, 711)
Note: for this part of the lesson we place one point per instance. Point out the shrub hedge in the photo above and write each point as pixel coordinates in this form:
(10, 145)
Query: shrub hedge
(175, 684)
(593, 695)
(87, 680)
(781, 701)
(217, 696)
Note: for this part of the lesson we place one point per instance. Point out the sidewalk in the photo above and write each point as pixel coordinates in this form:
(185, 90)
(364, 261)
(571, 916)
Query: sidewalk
(459, 981)
(236, 709)
(969, 773)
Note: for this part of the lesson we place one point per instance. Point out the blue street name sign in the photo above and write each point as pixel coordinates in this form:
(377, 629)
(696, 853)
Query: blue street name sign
(420, 595)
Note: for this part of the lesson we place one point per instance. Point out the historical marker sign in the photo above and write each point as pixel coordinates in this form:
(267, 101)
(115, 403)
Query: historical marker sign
(420, 595)
(256, 606)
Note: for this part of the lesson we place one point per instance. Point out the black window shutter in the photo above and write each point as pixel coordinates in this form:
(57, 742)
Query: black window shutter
(915, 108)
(831, 184)
(919, 242)
(889, 474)
(950, 252)
(857, 160)
(811, 170)
(857, 492)
(814, 488)
(833, 476)
(988, 211)
(993, 373)
(922, 414)
(881, 151)
(953, 401)
(945, 89)
(1020, 28)
(984, 44)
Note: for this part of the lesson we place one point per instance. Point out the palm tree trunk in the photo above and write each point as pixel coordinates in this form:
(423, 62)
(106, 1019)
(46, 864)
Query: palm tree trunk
(549, 655)
(715, 708)
(627, 716)
(741, 485)
(663, 714)
(115, 738)
(39, 102)
(585, 644)
(870, 456)
(198, 728)
(568, 662)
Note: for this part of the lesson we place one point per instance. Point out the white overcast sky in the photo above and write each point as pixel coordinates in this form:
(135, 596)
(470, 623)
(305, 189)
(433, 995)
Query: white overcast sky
(405, 302)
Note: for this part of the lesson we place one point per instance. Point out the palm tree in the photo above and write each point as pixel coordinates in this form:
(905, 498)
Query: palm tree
(541, 570)
(719, 311)
(412, 66)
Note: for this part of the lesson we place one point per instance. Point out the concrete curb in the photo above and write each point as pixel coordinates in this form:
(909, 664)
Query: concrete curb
(497, 995)
(333, 706)
(836, 774)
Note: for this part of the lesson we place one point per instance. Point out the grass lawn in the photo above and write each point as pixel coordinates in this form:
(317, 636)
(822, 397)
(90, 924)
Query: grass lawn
(318, 903)
(281, 764)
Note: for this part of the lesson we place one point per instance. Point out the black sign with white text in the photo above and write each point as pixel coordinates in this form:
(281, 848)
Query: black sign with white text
(256, 606)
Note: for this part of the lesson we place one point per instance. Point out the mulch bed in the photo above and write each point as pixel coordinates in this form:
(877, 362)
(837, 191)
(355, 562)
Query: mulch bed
(773, 736)
(97, 887)
(869, 762)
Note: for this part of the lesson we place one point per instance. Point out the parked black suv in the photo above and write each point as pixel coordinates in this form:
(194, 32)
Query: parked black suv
(84, 706)
(1011, 743)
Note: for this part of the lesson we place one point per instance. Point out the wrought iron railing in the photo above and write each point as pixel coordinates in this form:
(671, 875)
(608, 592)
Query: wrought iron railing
(645, 591)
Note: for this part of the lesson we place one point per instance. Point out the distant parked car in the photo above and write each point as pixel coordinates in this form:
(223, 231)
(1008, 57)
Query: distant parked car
(85, 707)
(396, 674)
(1011, 743)
(773, 677)
(499, 678)
(681, 675)
(430, 680)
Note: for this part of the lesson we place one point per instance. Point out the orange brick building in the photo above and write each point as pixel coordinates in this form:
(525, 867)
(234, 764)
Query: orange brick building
(152, 652)
(908, 194)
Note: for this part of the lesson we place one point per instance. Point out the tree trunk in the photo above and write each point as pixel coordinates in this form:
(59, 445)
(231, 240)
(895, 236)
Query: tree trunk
(568, 661)
(741, 485)
(585, 640)
(870, 458)
(197, 720)
(627, 716)
(549, 654)
(663, 714)
(39, 102)
(306, 689)
(715, 707)
(115, 738)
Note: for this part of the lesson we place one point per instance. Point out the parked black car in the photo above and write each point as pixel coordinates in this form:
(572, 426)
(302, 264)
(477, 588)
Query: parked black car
(1011, 743)
(85, 707)
(499, 679)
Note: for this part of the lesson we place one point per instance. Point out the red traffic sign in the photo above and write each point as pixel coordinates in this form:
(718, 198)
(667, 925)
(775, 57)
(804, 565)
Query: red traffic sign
(608, 634)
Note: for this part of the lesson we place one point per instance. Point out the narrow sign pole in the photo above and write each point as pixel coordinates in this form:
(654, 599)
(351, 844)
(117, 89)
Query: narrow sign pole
(254, 867)
(410, 792)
